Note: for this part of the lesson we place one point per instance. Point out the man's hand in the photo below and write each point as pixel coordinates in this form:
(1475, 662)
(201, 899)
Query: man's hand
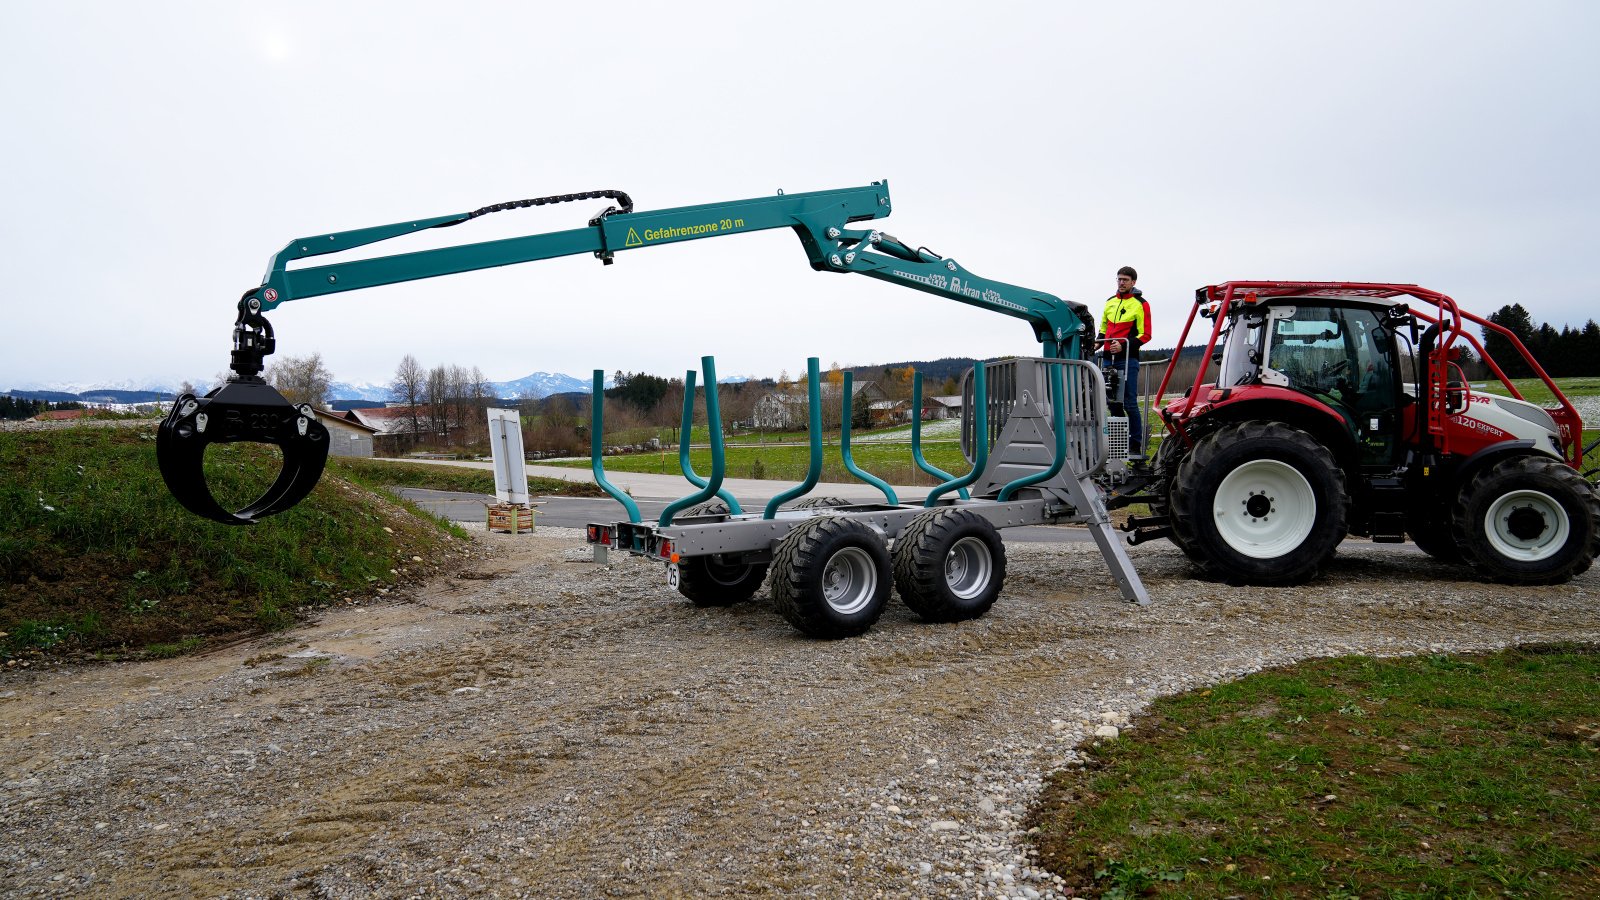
(1113, 347)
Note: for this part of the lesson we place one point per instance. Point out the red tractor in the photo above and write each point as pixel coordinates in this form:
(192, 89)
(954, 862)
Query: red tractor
(1335, 408)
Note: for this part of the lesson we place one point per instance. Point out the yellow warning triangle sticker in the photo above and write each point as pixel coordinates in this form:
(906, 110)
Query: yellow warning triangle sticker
(633, 239)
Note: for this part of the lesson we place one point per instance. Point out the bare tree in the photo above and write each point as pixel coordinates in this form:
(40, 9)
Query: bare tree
(410, 381)
(302, 379)
(437, 400)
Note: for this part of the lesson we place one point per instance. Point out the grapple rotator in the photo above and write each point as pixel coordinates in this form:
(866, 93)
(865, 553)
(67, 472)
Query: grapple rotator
(243, 408)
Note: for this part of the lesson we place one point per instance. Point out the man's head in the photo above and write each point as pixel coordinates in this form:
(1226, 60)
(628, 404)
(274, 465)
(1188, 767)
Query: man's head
(1126, 277)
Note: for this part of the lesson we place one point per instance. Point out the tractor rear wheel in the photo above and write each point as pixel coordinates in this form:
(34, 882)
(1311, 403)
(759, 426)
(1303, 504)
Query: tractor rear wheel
(949, 565)
(833, 577)
(1260, 502)
(1528, 520)
(1168, 457)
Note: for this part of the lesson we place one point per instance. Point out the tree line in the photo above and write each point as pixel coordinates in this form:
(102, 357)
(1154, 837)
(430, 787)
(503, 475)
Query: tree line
(1570, 352)
(18, 408)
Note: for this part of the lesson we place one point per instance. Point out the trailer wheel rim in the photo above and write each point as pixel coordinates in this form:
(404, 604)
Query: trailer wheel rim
(1527, 526)
(849, 581)
(725, 573)
(1264, 509)
(968, 568)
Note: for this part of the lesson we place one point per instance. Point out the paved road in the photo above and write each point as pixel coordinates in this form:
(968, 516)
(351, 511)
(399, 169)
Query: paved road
(576, 512)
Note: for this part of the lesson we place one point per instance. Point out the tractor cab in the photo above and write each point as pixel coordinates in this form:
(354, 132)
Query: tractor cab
(1338, 356)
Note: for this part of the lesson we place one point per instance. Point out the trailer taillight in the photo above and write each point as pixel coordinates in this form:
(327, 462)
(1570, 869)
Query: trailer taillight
(665, 551)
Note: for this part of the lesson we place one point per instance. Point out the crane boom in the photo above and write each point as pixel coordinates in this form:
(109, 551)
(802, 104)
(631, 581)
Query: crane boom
(245, 408)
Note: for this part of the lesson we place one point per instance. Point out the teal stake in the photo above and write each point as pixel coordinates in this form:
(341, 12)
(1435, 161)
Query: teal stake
(1058, 418)
(980, 438)
(718, 460)
(596, 420)
(683, 444)
(814, 470)
(844, 446)
(916, 436)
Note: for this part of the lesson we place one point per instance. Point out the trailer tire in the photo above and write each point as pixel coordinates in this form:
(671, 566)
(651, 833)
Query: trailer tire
(708, 508)
(717, 580)
(949, 565)
(1168, 457)
(833, 577)
(821, 503)
(1227, 498)
(1528, 520)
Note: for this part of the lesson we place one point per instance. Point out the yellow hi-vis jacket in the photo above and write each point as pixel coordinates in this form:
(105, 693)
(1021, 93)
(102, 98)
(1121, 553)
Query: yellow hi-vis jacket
(1126, 319)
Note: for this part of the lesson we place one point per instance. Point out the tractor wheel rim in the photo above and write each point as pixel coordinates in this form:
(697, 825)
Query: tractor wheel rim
(1264, 509)
(849, 581)
(1507, 525)
(968, 567)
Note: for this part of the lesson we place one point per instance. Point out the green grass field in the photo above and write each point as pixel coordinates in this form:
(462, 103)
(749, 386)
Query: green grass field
(1430, 776)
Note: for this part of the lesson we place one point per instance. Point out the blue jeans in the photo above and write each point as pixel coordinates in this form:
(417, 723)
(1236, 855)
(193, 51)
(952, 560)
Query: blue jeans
(1129, 368)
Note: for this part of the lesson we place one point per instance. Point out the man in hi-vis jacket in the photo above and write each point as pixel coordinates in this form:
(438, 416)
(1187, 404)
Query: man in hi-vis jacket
(1124, 328)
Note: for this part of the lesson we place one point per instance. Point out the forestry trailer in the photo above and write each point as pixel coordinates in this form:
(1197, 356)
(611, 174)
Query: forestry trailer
(1044, 453)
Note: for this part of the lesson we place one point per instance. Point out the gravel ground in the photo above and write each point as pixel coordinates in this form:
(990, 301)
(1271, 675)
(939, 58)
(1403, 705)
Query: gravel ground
(545, 726)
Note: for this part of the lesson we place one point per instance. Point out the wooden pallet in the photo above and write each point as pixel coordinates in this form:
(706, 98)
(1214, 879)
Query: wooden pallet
(510, 517)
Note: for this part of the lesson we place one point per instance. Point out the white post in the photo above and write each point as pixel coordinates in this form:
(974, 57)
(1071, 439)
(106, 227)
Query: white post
(505, 444)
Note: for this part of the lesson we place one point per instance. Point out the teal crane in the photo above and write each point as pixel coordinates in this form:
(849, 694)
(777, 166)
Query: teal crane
(246, 408)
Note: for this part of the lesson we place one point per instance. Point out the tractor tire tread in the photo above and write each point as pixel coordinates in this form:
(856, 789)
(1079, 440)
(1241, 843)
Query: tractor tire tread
(1564, 566)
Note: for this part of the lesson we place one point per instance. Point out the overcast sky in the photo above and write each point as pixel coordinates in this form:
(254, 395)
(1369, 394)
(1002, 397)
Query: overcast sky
(156, 154)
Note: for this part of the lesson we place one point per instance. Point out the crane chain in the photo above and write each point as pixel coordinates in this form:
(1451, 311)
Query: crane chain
(626, 201)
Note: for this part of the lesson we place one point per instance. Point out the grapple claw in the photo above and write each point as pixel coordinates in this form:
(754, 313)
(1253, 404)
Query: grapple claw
(240, 410)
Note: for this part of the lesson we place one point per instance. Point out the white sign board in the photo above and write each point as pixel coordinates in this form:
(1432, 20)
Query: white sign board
(505, 442)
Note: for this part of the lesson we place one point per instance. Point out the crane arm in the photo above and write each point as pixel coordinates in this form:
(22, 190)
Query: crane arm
(245, 408)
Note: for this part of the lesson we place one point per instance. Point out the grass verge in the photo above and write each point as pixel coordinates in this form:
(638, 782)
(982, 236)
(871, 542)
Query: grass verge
(1430, 776)
(97, 559)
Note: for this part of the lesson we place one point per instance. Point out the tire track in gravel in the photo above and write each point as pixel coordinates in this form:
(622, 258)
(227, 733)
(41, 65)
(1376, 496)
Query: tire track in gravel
(565, 729)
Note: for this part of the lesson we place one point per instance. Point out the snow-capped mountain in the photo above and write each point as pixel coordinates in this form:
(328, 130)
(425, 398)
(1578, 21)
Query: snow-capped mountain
(345, 390)
(543, 384)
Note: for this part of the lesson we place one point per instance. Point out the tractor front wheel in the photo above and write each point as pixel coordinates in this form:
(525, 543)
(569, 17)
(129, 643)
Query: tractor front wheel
(1528, 520)
(1260, 502)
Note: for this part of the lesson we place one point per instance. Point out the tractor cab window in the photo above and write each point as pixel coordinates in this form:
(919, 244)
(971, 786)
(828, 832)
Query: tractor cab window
(1343, 357)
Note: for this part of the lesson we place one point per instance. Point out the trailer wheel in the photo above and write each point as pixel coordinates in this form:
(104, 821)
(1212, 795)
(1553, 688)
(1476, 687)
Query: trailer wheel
(832, 577)
(1528, 520)
(719, 580)
(708, 508)
(821, 503)
(1168, 457)
(949, 565)
(1262, 502)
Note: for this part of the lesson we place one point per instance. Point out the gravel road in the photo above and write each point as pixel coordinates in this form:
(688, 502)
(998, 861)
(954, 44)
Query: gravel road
(545, 726)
